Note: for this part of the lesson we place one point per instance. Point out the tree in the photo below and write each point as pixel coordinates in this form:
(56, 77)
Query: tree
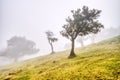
(19, 46)
(83, 22)
(81, 40)
(51, 40)
(92, 38)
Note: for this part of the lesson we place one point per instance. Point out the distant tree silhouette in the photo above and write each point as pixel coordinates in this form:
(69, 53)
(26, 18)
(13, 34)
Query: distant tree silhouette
(92, 38)
(51, 40)
(81, 40)
(19, 46)
(83, 22)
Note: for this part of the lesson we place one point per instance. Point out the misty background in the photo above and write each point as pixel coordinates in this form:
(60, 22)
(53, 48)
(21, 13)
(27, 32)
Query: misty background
(32, 18)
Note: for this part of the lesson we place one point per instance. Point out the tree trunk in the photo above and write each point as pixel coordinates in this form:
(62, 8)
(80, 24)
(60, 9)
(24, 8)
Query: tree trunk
(93, 38)
(81, 41)
(52, 51)
(72, 53)
(51, 48)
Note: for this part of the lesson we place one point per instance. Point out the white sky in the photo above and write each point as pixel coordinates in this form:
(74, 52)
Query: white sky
(31, 18)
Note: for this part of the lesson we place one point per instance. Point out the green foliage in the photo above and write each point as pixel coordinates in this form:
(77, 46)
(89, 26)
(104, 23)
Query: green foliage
(83, 22)
(99, 61)
(50, 37)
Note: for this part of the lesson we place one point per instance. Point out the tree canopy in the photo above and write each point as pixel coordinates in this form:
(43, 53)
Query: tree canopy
(19, 46)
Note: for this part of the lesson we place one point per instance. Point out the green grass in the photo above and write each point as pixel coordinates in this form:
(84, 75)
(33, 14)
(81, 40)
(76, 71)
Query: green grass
(100, 61)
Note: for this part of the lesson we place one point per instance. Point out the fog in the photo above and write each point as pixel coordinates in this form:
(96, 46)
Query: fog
(32, 18)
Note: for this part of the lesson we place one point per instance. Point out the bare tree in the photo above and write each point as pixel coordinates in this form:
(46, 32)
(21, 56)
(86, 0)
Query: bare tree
(51, 40)
(83, 22)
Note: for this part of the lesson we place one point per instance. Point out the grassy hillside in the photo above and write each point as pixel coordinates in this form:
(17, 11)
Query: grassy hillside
(99, 61)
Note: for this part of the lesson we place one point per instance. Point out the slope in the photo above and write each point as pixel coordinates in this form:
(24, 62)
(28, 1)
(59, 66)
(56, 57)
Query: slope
(100, 61)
